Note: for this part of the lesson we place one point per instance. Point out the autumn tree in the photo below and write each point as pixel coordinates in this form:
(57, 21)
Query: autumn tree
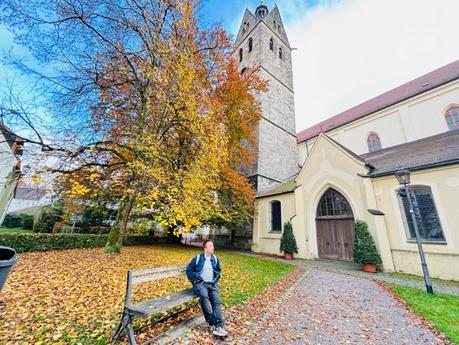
(149, 107)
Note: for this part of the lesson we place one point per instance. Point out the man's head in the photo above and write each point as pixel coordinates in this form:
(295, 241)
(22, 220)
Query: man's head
(208, 247)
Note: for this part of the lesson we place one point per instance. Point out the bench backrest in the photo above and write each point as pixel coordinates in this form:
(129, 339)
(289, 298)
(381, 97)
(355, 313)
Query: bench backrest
(149, 274)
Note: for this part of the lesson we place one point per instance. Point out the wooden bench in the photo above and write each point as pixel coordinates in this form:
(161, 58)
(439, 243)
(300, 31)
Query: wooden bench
(150, 307)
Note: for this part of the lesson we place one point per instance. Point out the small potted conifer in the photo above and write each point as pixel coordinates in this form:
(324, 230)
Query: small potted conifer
(288, 242)
(365, 252)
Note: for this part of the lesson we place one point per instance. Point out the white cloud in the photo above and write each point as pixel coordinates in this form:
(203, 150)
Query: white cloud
(351, 51)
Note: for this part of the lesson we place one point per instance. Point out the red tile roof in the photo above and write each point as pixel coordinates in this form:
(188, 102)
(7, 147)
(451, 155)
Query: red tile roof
(417, 86)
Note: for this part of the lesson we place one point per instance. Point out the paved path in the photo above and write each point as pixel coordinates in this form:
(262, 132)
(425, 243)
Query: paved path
(355, 270)
(333, 308)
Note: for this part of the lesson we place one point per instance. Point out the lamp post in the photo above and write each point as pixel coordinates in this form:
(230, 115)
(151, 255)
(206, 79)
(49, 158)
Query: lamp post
(403, 177)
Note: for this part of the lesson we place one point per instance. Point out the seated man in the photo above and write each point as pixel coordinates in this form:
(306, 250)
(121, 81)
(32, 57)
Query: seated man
(203, 272)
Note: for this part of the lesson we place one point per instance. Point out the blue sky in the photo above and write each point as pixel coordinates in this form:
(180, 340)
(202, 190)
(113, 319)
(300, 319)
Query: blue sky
(230, 12)
(348, 51)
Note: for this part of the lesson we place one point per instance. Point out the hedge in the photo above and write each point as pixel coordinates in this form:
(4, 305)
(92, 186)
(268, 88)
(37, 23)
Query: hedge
(22, 220)
(34, 242)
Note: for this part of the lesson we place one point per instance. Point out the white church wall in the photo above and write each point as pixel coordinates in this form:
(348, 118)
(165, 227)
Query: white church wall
(442, 258)
(264, 240)
(7, 179)
(416, 118)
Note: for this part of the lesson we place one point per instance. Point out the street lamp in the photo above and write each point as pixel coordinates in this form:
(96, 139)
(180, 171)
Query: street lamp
(403, 177)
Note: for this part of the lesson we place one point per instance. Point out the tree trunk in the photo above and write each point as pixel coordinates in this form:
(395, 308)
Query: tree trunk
(171, 238)
(118, 231)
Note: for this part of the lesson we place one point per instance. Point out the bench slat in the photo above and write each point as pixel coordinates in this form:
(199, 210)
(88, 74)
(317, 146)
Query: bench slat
(147, 308)
(157, 270)
(156, 276)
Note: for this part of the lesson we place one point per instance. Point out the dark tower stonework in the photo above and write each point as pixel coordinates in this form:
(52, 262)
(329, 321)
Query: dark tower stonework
(262, 43)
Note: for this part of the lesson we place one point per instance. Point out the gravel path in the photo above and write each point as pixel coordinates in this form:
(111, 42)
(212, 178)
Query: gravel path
(332, 308)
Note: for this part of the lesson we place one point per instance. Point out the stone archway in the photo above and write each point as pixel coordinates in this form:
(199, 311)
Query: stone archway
(334, 226)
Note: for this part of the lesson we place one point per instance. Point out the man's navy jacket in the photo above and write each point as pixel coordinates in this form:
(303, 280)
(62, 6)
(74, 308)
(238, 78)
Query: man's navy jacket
(196, 266)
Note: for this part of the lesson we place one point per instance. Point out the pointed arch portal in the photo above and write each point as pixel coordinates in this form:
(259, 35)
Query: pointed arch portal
(334, 226)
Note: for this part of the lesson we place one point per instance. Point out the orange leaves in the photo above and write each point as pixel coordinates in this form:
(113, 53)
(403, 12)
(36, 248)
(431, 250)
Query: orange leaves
(77, 295)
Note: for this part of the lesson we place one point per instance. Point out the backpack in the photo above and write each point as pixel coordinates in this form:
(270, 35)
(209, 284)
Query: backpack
(199, 258)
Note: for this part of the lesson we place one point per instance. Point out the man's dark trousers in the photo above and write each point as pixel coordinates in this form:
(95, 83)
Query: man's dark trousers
(209, 299)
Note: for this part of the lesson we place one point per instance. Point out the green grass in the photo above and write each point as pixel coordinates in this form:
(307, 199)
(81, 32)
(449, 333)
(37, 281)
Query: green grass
(421, 278)
(249, 275)
(441, 310)
(3, 229)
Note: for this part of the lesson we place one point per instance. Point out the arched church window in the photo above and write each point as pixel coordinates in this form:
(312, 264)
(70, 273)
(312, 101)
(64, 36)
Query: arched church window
(452, 118)
(250, 44)
(241, 54)
(271, 44)
(425, 213)
(243, 70)
(281, 56)
(276, 216)
(333, 204)
(373, 142)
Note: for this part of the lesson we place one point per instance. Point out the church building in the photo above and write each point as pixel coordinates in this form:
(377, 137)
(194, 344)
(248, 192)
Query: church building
(326, 177)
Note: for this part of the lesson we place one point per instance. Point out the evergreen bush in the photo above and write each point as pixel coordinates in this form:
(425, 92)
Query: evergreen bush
(288, 242)
(27, 221)
(49, 215)
(364, 247)
(12, 220)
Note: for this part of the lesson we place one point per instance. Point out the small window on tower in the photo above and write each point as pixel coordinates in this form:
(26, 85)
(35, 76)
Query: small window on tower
(241, 54)
(271, 44)
(250, 44)
(243, 70)
(281, 56)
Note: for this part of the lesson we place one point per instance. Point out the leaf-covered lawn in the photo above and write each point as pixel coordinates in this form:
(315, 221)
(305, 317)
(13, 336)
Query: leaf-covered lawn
(76, 295)
(2, 229)
(441, 310)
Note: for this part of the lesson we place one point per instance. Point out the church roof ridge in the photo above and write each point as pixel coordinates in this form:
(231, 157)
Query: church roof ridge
(426, 82)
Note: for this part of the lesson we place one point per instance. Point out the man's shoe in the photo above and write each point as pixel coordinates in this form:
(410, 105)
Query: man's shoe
(220, 332)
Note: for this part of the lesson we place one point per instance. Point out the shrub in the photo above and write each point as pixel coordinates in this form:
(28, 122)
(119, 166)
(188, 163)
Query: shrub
(12, 220)
(364, 247)
(288, 242)
(27, 221)
(49, 215)
(30, 242)
(97, 230)
(61, 227)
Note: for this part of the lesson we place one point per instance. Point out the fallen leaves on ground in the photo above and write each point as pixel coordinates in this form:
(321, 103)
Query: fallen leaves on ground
(240, 319)
(76, 296)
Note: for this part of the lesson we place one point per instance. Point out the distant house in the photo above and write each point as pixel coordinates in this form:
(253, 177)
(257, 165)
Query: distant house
(29, 200)
(11, 147)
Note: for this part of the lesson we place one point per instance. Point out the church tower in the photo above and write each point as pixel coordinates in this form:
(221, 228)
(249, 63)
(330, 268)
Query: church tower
(262, 42)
